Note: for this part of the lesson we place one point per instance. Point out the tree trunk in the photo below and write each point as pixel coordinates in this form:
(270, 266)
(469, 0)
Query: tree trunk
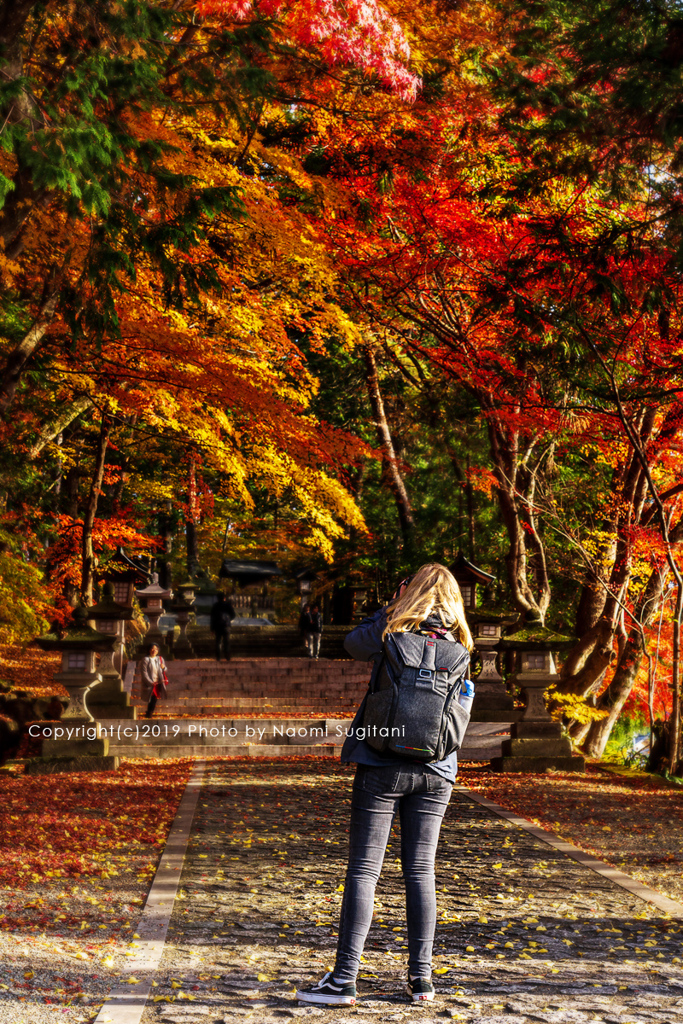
(619, 689)
(516, 492)
(88, 553)
(586, 665)
(469, 495)
(591, 602)
(613, 699)
(191, 519)
(51, 430)
(70, 491)
(675, 723)
(19, 356)
(391, 467)
(192, 546)
(13, 17)
(166, 536)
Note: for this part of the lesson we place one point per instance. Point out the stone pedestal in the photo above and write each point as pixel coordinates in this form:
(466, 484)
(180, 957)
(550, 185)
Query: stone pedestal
(75, 743)
(55, 765)
(155, 636)
(182, 648)
(108, 699)
(536, 742)
(183, 608)
(490, 694)
(77, 734)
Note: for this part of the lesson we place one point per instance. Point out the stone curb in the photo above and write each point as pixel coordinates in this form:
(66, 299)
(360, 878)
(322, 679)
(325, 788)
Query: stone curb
(643, 892)
(126, 1003)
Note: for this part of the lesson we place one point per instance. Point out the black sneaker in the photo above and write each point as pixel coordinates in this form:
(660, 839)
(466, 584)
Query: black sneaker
(420, 990)
(329, 992)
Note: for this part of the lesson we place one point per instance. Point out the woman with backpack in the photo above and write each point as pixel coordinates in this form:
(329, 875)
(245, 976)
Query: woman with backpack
(420, 646)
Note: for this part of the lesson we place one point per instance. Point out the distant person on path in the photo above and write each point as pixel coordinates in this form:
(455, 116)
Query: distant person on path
(222, 614)
(305, 625)
(153, 672)
(430, 606)
(316, 633)
(311, 628)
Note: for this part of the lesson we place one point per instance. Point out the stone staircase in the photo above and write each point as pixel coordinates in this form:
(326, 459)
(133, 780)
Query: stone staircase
(250, 687)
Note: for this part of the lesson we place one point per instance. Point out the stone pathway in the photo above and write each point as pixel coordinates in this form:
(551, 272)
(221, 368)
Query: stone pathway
(525, 934)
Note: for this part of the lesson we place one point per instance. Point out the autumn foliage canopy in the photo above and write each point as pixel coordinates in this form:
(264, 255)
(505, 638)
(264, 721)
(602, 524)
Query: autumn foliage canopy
(360, 282)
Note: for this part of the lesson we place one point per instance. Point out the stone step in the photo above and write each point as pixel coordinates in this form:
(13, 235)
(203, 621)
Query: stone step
(229, 669)
(255, 700)
(273, 737)
(166, 708)
(253, 693)
(294, 700)
(271, 682)
(272, 679)
(253, 750)
(290, 680)
(299, 664)
(248, 702)
(226, 730)
(314, 709)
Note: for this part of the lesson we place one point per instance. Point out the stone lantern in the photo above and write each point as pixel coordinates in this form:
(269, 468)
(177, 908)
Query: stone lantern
(79, 645)
(187, 590)
(305, 579)
(183, 607)
(205, 595)
(152, 600)
(108, 699)
(492, 697)
(536, 741)
(359, 600)
(125, 575)
(492, 701)
(468, 577)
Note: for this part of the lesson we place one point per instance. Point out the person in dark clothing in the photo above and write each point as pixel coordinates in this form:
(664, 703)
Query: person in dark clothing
(311, 627)
(222, 614)
(315, 633)
(384, 787)
(305, 624)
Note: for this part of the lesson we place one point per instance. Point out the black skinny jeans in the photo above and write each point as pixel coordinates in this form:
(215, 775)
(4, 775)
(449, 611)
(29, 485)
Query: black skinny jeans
(421, 798)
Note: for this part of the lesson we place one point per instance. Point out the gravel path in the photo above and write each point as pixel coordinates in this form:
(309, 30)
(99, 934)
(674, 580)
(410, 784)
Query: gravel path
(524, 933)
(628, 818)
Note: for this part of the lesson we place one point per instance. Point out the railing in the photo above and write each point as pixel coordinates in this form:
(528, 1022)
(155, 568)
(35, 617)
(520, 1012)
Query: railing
(248, 605)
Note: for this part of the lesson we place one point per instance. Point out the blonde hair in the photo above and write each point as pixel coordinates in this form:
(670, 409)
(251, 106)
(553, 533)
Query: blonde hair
(432, 590)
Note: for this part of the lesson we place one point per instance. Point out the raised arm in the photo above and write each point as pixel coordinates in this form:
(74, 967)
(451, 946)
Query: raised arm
(364, 643)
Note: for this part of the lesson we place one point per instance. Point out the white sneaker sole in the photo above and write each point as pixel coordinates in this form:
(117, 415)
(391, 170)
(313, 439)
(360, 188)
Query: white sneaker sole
(325, 1000)
(420, 997)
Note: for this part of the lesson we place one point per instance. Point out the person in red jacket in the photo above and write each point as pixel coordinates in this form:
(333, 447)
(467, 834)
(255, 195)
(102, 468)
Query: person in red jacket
(153, 672)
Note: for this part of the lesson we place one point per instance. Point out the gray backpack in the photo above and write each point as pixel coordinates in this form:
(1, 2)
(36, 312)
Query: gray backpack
(412, 708)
